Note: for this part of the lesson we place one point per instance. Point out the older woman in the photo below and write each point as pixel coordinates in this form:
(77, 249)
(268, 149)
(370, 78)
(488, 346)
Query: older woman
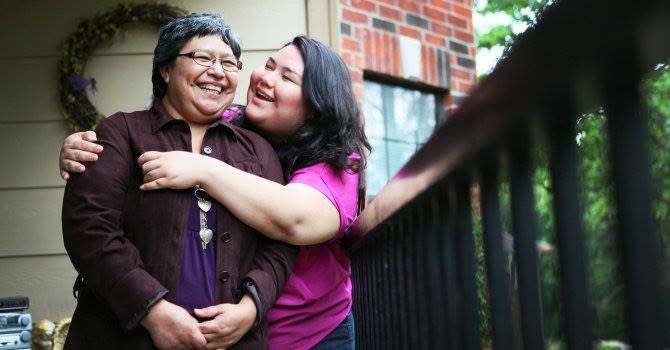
(302, 100)
(148, 261)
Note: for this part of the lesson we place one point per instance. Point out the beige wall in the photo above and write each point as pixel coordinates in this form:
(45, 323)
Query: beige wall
(32, 258)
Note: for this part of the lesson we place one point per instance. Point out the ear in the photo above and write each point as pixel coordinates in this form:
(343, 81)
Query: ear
(165, 73)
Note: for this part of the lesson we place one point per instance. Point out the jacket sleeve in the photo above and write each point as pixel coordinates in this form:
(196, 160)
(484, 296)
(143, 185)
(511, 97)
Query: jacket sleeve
(273, 262)
(93, 203)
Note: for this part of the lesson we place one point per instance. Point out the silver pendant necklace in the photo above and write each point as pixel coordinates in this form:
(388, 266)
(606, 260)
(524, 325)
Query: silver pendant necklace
(204, 204)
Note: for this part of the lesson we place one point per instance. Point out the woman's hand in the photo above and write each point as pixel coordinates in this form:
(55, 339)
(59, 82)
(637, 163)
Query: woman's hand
(78, 147)
(176, 170)
(229, 322)
(171, 327)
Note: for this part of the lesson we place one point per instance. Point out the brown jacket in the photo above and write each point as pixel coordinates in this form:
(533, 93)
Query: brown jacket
(127, 244)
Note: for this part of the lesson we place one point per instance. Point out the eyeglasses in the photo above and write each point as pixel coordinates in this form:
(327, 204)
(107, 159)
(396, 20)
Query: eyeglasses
(206, 59)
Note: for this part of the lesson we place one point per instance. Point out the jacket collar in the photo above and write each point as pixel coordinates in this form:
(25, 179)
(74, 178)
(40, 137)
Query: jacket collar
(163, 118)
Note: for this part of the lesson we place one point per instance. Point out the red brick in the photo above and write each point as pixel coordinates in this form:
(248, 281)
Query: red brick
(473, 51)
(389, 12)
(359, 62)
(424, 63)
(365, 5)
(432, 66)
(356, 75)
(409, 5)
(369, 54)
(460, 73)
(461, 11)
(434, 13)
(396, 56)
(358, 33)
(458, 22)
(359, 91)
(346, 57)
(391, 54)
(379, 50)
(386, 58)
(355, 17)
(351, 45)
(464, 36)
(390, 2)
(443, 4)
(467, 87)
(440, 29)
(410, 32)
(434, 39)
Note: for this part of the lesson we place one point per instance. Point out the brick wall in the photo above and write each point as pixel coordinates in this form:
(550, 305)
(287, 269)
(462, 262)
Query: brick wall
(370, 40)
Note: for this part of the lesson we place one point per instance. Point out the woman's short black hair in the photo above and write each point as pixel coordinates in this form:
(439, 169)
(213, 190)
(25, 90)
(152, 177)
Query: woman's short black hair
(334, 127)
(173, 36)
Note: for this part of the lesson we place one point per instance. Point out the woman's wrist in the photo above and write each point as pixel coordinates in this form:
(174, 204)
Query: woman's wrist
(209, 170)
(250, 311)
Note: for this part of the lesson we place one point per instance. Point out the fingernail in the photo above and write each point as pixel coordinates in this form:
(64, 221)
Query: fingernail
(95, 157)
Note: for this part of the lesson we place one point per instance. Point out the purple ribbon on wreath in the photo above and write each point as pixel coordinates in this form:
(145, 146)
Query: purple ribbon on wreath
(81, 83)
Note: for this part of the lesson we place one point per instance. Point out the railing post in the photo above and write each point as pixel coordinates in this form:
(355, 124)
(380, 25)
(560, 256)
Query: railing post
(560, 124)
(525, 235)
(453, 289)
(629, 139)
(492, 231)
(436, 285)
(467, 262)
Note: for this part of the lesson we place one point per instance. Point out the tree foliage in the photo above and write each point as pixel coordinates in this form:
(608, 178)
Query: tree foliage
(519, 11)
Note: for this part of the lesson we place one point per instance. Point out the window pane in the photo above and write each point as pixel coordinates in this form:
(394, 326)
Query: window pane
(397, 122)
(398, 154)
(373, 110)
(377, 170)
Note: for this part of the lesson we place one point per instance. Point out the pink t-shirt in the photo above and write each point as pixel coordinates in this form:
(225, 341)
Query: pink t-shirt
(317, 296)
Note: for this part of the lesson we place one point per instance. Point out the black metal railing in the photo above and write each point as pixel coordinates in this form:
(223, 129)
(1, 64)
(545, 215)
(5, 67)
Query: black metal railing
(413, 251)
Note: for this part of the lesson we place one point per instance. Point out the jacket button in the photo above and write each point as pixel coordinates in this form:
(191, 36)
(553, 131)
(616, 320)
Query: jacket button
(224, 276)
(225, 237)
(207, 150)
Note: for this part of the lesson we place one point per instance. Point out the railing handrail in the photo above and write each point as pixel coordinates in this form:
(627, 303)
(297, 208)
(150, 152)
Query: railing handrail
(590, 32)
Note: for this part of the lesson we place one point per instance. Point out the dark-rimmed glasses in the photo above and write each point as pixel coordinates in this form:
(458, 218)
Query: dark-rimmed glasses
(206, 59)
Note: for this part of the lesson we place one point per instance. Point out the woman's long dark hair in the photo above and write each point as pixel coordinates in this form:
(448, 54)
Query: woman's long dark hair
(334, 129)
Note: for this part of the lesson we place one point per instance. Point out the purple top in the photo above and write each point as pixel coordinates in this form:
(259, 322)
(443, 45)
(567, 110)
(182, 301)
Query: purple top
(317, 296)
(197, 278)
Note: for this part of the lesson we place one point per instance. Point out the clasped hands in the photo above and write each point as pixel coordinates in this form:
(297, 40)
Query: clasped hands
(171, 327)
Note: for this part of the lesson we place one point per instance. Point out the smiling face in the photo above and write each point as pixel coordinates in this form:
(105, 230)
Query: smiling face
(197, 93)
(275, 103)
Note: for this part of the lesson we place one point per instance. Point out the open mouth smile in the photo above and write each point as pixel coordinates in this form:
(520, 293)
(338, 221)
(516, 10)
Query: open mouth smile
(264, 96)
(211, 89)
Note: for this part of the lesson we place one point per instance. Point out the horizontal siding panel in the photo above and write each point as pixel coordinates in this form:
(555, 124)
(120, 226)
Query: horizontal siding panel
(123, 83)
(43, 24)
(30, 153)
(261, 24)
(46, 280)
(30, 222)
(28, 90)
